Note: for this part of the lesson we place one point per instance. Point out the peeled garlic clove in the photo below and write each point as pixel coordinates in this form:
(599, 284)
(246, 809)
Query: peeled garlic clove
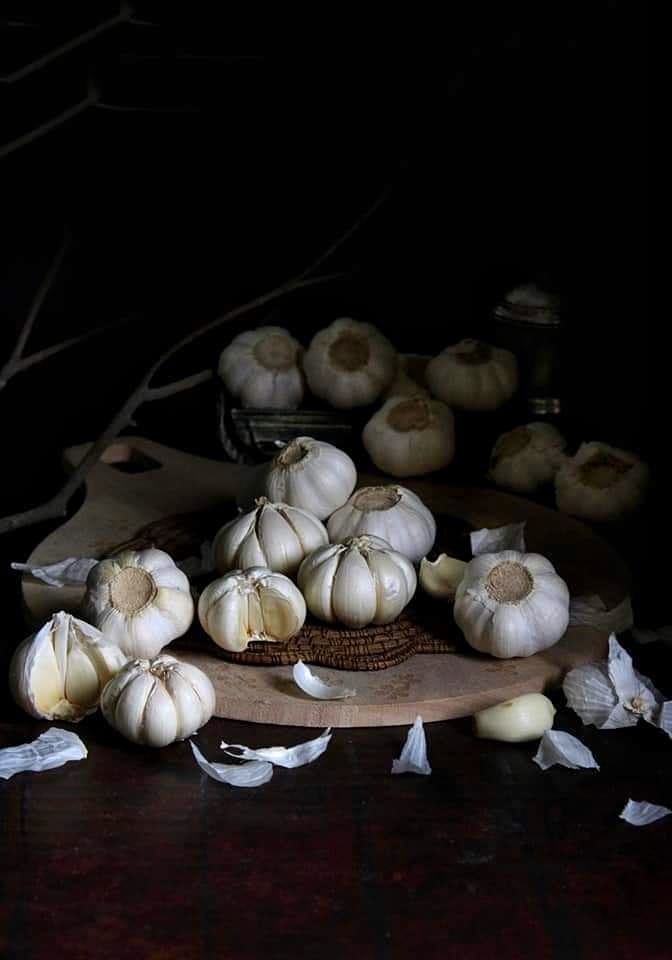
(524, 718)
(440, 578)
(59, 672)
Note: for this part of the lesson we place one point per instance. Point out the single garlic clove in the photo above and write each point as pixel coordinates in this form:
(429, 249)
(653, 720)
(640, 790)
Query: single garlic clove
(440, 578)
(524, 718)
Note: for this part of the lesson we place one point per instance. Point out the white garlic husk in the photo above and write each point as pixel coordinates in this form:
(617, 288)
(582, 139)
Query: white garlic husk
(440, 578)
(156, 702)
(349, 364)
(59, 672)
(273, 535)
(140, 600)
(261, 368)
(358, 582)
(600, 482)
(515, 721)
(473, 375)
(252, 604)
(410, 436)
(311, 474)
(527, 457)
(393, 513)
(511, 604)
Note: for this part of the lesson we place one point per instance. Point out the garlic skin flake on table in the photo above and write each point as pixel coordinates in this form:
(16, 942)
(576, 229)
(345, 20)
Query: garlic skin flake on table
(591, 611)
(524, 718)
(59, 672)
(496, 539)
(511, 604)
(472, 375)
(311, 474)
(349, 364)
(413, 757)
(527, 457)
(260, 368)
(357, 582)
(51, 749)
(140, 600)
(273, 535)
(611, 694)
(252, 774)
(319, 689)
(155, 702)
(69, 572)
(410, 436)
(440, 578)
(640, 813)
(600, 482)
(393, 513)
(289, 757)
(561, 748)
(253, 604)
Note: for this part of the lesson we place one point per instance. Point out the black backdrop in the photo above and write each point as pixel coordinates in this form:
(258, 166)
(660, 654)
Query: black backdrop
(215, 160)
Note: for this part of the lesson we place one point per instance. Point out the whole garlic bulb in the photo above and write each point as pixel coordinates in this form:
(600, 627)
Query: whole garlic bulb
(600, 482)
(252, 604)
(311, 474)
(393, 513)
(58, 673)
(349, 364)
(511, 604)
(260, 367)
(140, 600)
(155, 702)
(273, 535)
(410, 436)
(526, 458)
(524, 718)
(473, 375)
(358, 582)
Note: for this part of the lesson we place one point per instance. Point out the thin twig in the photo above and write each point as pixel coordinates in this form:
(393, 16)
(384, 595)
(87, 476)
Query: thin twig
(179, 386)
(40, 355)
(49, 125)
(68, 46)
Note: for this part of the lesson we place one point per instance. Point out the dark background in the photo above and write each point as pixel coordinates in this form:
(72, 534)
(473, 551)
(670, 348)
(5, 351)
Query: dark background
(217, 158)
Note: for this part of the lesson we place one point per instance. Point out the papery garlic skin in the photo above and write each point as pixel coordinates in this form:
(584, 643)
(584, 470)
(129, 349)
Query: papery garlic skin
(349, 364)
(472, 375)
(59, 672)
(311, 474)
(155, 702)
(140, 600)
(273, 535)
(511, 604)
(527, 457)
(260, 368)
(515, 721)
(440, 578)
(410, 436)
(252, 604)
(393, 513)
(358, 582)
(601, 482)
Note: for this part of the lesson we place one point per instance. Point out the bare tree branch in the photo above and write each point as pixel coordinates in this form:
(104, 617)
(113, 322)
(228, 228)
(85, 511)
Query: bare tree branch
(50, 125)
(179, 386)
(40, 355)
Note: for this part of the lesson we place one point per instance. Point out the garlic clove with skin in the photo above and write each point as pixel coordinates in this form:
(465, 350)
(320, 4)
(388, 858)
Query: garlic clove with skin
(440, 578)
(410, 436)
(524, 718)
(59, 672)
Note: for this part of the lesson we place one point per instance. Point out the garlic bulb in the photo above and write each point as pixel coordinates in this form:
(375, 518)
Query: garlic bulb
(514, 721)
(511, 604)
(393, 513)
(473, 375)
(252, 604)
(156, 702)
(410, 436)
(260, 368)
(349, 364)
(358, 582)
(600, 482)
(140, 600)
(59, 672)
(311, 474)
(526, 458)
(440, 578)
(273, 535)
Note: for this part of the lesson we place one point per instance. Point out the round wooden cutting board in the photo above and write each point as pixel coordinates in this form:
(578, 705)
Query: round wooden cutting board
(138, 481)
